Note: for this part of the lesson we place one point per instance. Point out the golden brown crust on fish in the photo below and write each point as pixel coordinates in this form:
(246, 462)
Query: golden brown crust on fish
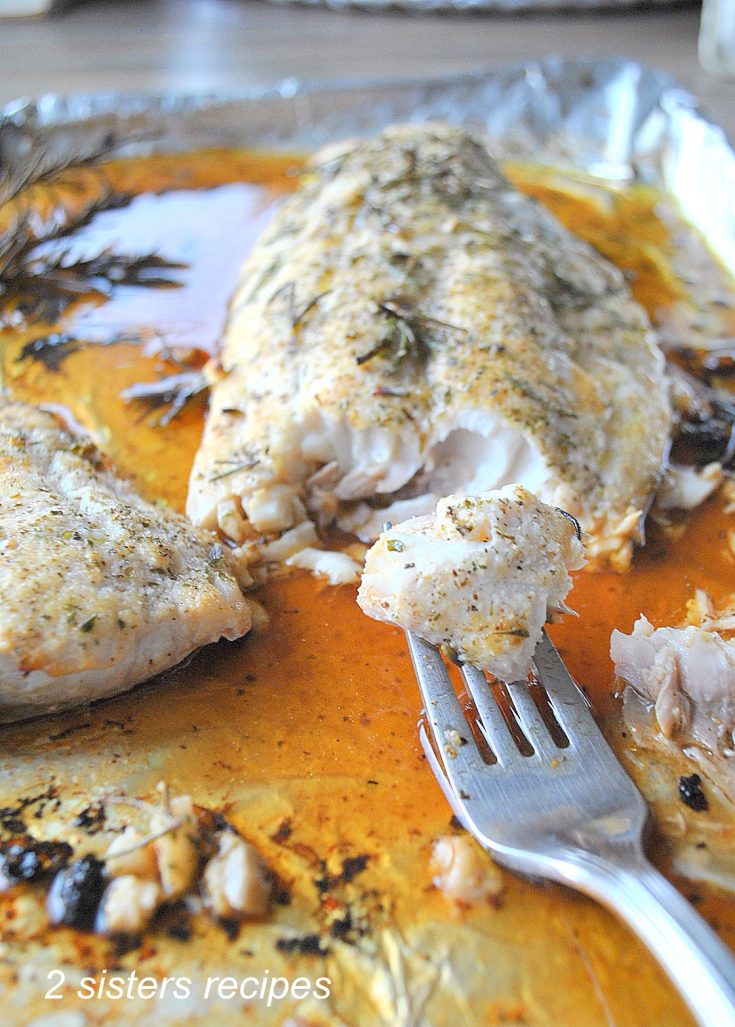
(99, 590)
(410, 325)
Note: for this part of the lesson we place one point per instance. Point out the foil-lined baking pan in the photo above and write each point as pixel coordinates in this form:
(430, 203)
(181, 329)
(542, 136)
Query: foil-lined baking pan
(614, 120)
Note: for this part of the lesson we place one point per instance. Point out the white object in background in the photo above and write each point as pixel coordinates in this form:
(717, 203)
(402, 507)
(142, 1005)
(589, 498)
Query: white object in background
(717, 37)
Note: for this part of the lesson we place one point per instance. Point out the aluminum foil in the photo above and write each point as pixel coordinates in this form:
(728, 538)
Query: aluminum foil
(612, 118)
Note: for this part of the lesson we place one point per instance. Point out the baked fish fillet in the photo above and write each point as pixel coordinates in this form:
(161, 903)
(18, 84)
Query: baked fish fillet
(409, 326)
(99, 590)
(480, 577)
(688, 674)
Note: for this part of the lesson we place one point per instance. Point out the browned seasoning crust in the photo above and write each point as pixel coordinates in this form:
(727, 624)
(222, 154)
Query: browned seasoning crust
(98, 589)
(405, 295)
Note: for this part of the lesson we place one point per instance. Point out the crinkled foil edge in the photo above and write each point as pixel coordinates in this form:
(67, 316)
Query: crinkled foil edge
(612, 118)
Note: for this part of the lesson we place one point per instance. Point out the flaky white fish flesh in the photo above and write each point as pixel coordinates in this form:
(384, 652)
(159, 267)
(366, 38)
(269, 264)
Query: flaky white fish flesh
(99, 589)
(479, 577)
(688, 674)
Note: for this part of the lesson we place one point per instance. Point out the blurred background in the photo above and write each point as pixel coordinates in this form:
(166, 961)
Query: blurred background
(160, 45)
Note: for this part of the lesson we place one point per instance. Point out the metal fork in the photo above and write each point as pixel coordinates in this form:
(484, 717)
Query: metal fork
(567, 813)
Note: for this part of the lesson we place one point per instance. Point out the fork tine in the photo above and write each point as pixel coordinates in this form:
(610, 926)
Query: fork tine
(531, 720)
(454, 743)
(568, 702)
(457, 805)
(492, 722)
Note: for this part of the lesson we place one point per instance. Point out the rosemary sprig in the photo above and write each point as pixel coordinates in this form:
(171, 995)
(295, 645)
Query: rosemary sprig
(172, 393)
(410, 333)
(43, 288)
(41, 167)
(28, 227)
(299, 317)
(104, 271)
(51, 350)
(263, 277)
(246, 466)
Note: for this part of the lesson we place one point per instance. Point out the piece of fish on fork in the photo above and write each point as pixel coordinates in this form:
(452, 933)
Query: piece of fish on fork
(550, 800)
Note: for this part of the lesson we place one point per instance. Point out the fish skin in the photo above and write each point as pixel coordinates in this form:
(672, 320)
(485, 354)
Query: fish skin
(404, 295)
(99, 589)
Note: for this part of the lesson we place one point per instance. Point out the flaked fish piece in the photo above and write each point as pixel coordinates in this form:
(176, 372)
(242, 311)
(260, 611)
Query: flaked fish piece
(688, 674)
(410, 326)
(686, 487)
(479, 578)
(99, 589)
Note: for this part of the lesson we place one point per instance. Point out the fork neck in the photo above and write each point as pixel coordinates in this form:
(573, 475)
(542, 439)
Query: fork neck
(698, 963)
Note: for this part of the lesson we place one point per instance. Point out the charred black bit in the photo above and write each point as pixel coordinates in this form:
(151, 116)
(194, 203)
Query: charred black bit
(92, 818)
(124, 943)
(348, 929)
(306, 945)
(281, 894)
(691, 794)
(353, 866)
(283, 832)
(704, 440)
(76, 893)
(345, 929)
(10, 821)
(340, 928)
(170, 395)
(181, 929)
(231, 927)
(323, 884)
(31, 860)
(11, 818)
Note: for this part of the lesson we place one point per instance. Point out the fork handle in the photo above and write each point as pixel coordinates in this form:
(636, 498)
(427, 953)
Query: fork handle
(699, 964)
